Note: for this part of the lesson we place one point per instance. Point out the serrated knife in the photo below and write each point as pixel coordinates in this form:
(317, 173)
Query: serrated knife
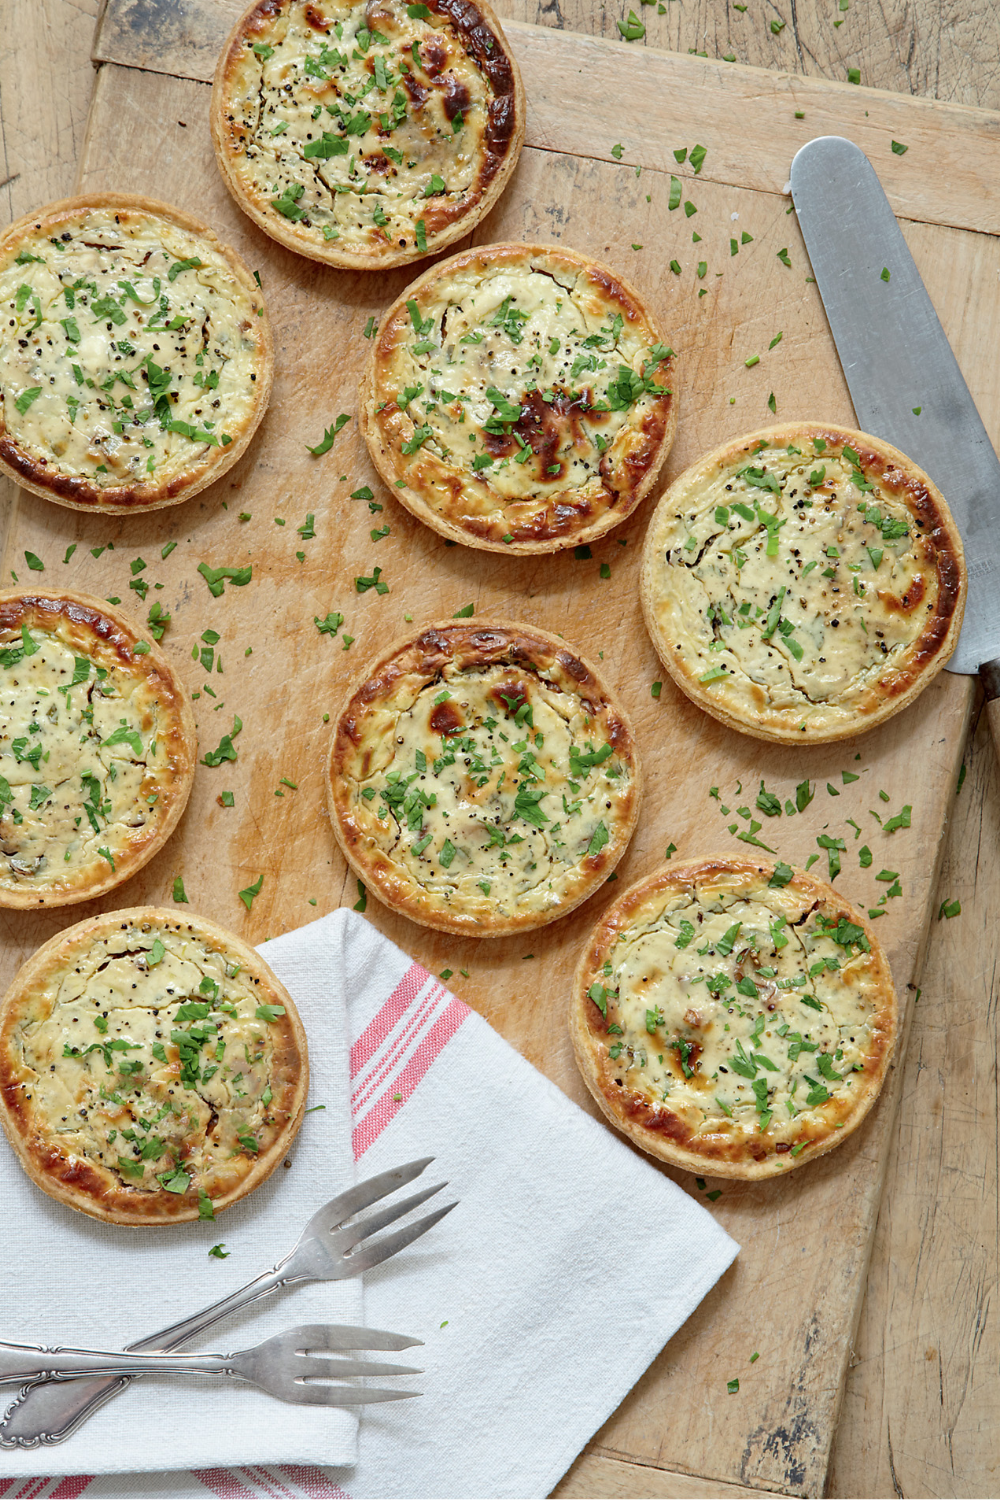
(895, 357)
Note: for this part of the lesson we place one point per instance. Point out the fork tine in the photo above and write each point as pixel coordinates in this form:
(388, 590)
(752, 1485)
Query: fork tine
(346, 1238)
(339, 1336)
(343, 1395)
(315, 1364)
(362, 1195)
(356, 1262)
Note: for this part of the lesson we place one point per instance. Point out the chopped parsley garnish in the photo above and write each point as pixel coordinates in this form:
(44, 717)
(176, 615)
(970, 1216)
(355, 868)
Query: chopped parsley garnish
(26, 397)
(598, 840)
(183, 265)
(287, 202)
(269, 1012)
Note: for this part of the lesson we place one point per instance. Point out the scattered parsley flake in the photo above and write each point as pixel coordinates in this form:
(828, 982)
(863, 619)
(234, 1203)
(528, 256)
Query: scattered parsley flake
(216, 577)
(326, 443)
(362, 585)
(247, 896)
(632, 29)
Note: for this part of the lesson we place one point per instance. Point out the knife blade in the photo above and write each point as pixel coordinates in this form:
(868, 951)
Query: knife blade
(896, 357)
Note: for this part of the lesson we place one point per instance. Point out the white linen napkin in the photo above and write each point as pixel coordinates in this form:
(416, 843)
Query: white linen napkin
(542, 1298)
(72, 1280)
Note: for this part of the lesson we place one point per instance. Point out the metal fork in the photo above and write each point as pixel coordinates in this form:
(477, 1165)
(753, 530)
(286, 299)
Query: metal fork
(327, 1250)
(294, 1366)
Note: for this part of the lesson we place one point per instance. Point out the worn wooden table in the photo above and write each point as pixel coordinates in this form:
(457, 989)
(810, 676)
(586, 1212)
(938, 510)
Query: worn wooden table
(918, 1414)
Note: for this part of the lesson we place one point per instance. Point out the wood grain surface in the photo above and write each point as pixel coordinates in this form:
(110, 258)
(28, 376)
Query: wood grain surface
(944, 1446)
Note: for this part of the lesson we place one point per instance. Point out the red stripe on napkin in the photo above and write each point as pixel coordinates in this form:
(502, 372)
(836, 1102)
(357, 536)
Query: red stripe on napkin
(385, 1019)
(418, 1016)
(224, 1483)
(69, 1489)
(267, 1484)
(314, 1483)
(385, 1108)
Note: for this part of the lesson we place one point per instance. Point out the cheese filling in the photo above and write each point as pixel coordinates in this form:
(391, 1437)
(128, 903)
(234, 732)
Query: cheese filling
(738, 1013)
(800, 574)
(152, 1060)
(367, 128)
(79, 759)
(523, 380)
(490, 788)
(127, 351)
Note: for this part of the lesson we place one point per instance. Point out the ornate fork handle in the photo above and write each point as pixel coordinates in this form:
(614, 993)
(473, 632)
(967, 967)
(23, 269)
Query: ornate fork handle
(29, 1362)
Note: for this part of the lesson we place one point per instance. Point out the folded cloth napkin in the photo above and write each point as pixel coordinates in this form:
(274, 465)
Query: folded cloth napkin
(542, 1298)
(71, 1280)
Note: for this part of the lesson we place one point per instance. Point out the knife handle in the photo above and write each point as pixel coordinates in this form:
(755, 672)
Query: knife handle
(989, 674)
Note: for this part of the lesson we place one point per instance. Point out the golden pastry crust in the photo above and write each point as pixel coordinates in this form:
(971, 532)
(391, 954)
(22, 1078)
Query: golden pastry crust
(362, 135)
(97, 748)
(103, 405)
(803, 583)
(733, 1016)
(116, 1091)
(483, 780)
(519, 398)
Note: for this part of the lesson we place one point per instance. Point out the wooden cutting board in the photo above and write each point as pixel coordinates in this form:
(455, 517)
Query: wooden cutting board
(795, 1290)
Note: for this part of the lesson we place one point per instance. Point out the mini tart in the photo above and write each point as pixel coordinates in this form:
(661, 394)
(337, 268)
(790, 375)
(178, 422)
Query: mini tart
(483, 779)
(97, 748)
(519, 398)
(733, 1016)
(135, 354)
(363, 134)
(150, 1065)
(803, 583)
